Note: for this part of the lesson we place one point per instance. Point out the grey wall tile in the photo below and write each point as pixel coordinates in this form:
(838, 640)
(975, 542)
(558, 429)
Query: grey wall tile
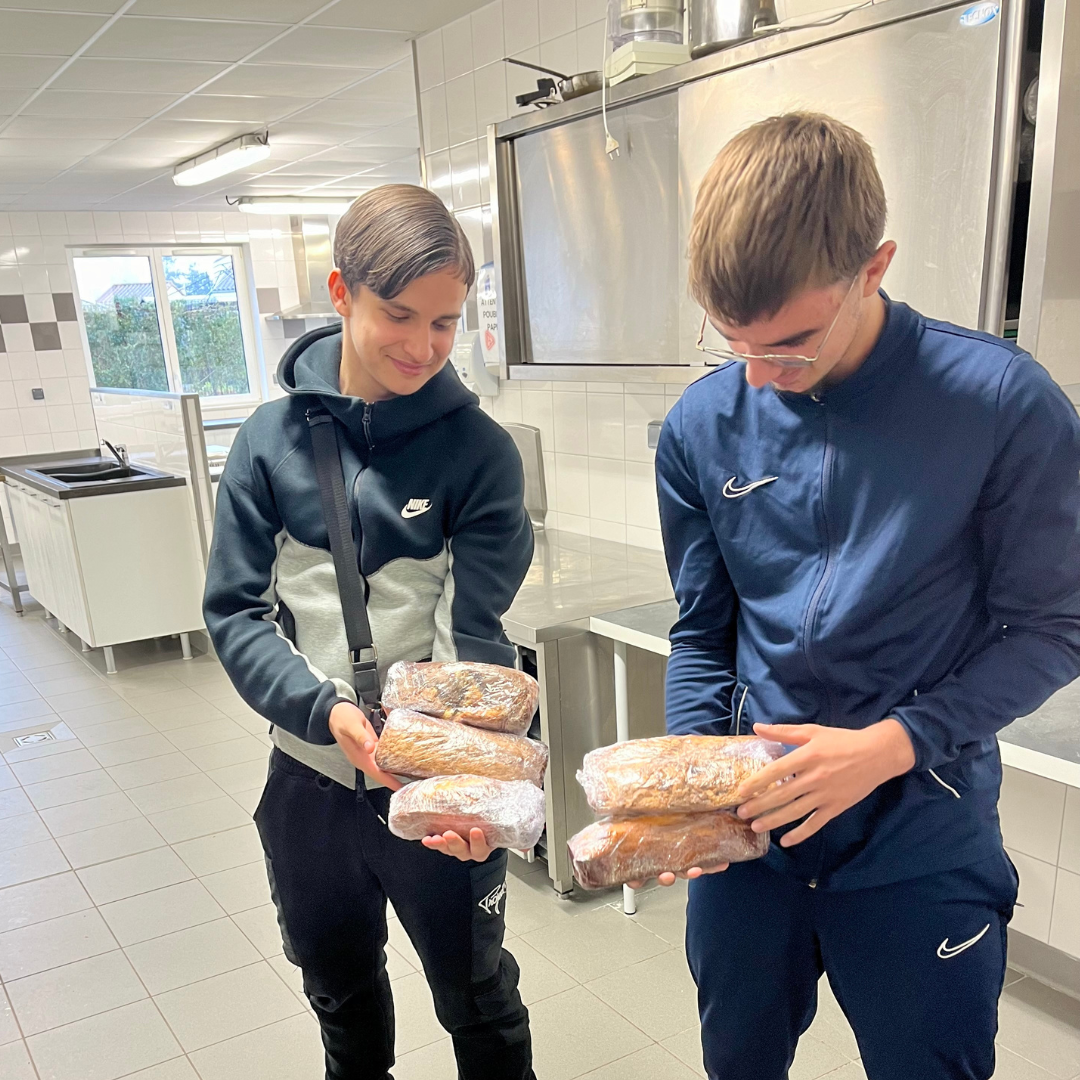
(3, 347)
(294, 328)
(64, 305)
(269, 301)
(13, 309)
(46, 336)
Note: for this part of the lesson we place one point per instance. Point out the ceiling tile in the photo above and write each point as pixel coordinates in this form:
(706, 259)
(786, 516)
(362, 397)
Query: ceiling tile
(60, 127)
(11, 98)
(393, 84)
(279, 11)
(341, 47)
(417, 16)
(359, 112)
(67, 150)
(96, 103)
(300, 80)
(248, 109)
(181, 39)
(27, 71)
(165, 77)
(205, 133)
(100, 7)
(308, 133)
(403, 135)
(37, 33)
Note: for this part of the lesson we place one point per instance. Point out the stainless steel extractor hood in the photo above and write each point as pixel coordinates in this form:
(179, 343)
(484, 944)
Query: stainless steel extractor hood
(314, 258)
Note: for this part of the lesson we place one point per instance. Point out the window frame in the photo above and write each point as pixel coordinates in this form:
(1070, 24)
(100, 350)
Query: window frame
(155, 253)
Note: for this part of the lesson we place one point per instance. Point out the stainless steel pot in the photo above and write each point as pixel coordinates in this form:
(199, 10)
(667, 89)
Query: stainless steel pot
(717, 24)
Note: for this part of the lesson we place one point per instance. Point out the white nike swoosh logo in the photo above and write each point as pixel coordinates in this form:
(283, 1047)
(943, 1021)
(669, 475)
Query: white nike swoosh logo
(947, 951)
(407, 513)
(733, 492)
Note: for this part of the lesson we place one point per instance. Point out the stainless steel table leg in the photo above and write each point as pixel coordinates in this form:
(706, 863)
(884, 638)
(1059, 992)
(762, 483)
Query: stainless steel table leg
(61, 627)
(185, 645)
(622, 733)
(110, 660)
(85, 647)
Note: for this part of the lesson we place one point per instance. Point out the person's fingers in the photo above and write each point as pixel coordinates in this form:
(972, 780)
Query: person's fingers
(792, 734)
(810, 826)
(774, 772)
(666, 878)
(636, 884)
(718, 869)
(780, 795)
(478, 845)
(795, 810)
(456, 846)
(436, 843)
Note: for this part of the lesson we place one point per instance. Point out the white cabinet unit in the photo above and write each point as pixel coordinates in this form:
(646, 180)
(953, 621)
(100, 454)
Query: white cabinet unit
(114, 567)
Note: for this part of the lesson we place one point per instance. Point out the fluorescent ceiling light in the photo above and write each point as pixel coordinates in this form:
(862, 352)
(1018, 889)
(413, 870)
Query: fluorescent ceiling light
(235, 154)
(293, 204)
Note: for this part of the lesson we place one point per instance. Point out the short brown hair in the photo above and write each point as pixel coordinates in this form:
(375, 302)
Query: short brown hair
(792, 202)
(397, 233)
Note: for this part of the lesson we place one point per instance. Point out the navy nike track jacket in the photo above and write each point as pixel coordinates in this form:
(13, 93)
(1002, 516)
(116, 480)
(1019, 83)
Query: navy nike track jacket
(917, 556)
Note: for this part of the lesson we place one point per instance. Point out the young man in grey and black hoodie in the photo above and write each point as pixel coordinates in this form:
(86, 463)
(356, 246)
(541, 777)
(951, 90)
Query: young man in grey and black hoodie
(442, 540)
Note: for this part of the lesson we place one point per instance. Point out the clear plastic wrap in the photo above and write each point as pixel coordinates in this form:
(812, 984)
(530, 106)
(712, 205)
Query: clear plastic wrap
(483, 695)
(510, 812)
(617, 850)
(419, 746)
(673, 773)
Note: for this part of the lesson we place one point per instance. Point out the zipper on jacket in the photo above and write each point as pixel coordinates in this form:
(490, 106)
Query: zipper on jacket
(826, 573)
(742, 702)
(367, 425)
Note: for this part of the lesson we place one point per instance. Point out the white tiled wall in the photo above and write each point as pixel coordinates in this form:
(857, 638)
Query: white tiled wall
(1040, 820)
(33, 262)
(598, 466)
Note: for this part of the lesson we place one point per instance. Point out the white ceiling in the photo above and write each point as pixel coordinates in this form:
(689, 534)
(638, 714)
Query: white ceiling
(99, 99)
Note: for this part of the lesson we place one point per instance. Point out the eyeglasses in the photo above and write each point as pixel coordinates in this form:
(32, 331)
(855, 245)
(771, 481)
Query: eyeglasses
(780, 359)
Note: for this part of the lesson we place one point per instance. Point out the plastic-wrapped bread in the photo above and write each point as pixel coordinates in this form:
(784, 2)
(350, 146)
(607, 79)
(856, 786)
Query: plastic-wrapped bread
(483, 695)
(412, 744)
(510, 812)
(617, 850)
(673, 773)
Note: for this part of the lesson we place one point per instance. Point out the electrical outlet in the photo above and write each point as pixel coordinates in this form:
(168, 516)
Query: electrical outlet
(654, 433)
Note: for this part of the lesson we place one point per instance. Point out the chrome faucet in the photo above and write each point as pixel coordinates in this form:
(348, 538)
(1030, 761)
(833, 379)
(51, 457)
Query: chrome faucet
(119, 452)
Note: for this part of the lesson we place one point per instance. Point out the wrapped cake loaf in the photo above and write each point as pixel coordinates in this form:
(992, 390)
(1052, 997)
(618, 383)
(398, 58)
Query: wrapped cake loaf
(483, 695)
(510, 812)
(617, 850)
(415, 745)
(673, 773)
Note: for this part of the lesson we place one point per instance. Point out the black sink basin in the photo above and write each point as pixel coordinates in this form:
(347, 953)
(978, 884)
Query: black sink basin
(92, 473)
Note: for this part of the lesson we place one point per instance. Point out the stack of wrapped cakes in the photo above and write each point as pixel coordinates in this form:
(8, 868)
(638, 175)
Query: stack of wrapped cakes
(668, 804)
(458, 731)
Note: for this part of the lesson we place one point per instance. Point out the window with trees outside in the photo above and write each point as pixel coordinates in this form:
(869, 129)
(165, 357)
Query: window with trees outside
(168, 318)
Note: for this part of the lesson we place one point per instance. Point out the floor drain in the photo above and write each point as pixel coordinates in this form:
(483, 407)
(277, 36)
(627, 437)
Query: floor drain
(34, 738)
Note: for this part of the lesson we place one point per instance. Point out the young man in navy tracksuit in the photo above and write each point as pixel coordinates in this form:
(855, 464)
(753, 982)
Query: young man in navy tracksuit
(871, 524)
(436, 499)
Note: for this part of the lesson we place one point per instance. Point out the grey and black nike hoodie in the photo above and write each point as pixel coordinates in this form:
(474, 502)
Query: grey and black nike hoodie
(443, 541)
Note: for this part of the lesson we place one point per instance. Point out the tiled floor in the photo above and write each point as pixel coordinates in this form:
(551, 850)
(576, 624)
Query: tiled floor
(137, 938)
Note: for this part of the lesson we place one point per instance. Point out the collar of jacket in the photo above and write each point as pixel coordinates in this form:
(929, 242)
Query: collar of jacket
(311, 366)
(893, 353)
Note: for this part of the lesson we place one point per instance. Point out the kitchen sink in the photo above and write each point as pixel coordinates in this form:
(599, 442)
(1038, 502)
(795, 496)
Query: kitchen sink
(92, 473)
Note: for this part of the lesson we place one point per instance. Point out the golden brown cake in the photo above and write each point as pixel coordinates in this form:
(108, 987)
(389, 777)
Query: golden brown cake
(412, 744)
(483, 695)
(617, 850)
(673, 773)
(510, 812)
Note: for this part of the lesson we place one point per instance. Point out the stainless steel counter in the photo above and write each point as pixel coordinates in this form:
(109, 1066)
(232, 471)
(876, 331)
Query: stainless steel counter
(574, 577)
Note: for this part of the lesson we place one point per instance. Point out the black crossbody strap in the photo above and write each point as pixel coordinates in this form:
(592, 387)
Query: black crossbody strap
(335, 505)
